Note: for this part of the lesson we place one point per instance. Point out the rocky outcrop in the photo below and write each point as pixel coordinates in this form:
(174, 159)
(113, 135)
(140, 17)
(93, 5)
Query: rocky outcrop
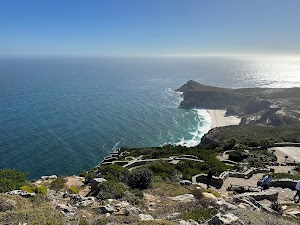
(269, 195)
(21, 193)
(227, 218)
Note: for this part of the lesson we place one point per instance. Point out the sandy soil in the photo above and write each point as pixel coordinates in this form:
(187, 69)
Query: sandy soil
(218, 118)
(292, 152)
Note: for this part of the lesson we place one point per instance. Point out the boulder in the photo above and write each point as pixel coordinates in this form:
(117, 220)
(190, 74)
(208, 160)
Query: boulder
(107, 209)
(294, 213)
(228, 218)
(51, 177)
(79, 200)
(209, 195)
(269, 195)
(66, 210)
(186, 222)
(21, 193)
(144, 217)
(185, 182)
(183, 198)
(221, 203)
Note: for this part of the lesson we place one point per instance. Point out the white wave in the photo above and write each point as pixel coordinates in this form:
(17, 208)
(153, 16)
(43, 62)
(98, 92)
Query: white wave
(203, 126)
(115, 146)
(173, 98)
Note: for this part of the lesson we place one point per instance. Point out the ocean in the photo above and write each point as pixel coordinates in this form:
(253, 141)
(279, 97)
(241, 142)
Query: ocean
(62, 115)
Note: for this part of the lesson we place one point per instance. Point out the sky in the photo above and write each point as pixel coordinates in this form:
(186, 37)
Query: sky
(149, 27)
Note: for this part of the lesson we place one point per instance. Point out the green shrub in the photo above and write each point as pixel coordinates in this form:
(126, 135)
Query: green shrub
(114, 172)
(134, 197)
(27, 188)
(11, 179)
(73, 190)
(236, 156)
(110, 189)
(83, 222)
(58, 183)
(140, 178)
(284, 176)
(41, 190)
(198, 193)
(163, 169)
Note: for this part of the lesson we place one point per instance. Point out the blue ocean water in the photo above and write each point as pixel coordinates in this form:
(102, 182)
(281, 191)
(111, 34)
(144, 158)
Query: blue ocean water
(63, 115)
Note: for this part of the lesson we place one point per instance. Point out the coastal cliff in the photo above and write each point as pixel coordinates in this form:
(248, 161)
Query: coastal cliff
(264, 106)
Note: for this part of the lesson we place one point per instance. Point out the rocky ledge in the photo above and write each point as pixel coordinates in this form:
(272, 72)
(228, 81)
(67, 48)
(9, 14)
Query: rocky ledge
(267, 106)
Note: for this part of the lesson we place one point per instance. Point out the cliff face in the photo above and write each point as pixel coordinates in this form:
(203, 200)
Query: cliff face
(271, 106)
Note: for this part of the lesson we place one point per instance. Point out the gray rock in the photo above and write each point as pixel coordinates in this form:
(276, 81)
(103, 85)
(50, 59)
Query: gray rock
(79, 200)
(185, 182)
(184, 222)
(183, 198)
(144, 217)
(22, 193)
(52, 177)
(107, 209)
(67, 210)
(221, 203)
(228, 218)
(294, 213)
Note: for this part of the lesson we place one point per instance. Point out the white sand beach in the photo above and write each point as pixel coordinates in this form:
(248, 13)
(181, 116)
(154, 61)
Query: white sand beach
(218, 118)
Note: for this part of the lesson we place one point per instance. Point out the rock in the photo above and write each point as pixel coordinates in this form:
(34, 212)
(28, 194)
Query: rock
(185, 182)
(107, 209)
(95, 182)
(124, 208)
(66, 210)
(269, 195)
(144, 217)
(244, 206)
(52, 177)
(221, 203)
(188, 222)
(228, 218)
(183, 198)
(294, 213)
(209, 195)
(79, 200)
(22, 193)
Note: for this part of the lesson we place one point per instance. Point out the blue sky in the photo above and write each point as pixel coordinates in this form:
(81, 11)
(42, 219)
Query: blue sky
(148, 27)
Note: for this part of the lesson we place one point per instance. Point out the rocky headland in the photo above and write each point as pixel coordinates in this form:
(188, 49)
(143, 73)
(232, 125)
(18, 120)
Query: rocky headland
(264, 106)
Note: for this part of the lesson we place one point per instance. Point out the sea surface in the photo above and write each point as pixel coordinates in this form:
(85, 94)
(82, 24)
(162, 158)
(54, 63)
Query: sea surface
(62, 115)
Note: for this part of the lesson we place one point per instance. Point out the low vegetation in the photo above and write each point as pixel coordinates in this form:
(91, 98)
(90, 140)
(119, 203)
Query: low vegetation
(11, 180)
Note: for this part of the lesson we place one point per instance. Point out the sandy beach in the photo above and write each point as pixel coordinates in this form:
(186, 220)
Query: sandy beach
(218, 118)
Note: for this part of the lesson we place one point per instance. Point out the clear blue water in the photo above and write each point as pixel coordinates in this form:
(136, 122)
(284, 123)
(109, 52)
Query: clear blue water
(63, 115)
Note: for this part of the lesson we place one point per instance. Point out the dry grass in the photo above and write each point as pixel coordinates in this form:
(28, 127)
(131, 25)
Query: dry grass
(262, 218)
(31, 211)
(168, 189)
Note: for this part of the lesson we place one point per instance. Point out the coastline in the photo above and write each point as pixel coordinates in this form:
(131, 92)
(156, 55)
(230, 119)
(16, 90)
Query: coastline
(218, 118)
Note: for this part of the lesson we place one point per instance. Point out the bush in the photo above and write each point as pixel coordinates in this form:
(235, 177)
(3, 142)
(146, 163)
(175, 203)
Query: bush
(27, 188)
(73, 190)
(114, 172)
(6, 204)
(11, 179)
(163, 169)
(140, 178)
(110, 189)
(58, 183)
(198, 193)
(41, 190)
(236, 156)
